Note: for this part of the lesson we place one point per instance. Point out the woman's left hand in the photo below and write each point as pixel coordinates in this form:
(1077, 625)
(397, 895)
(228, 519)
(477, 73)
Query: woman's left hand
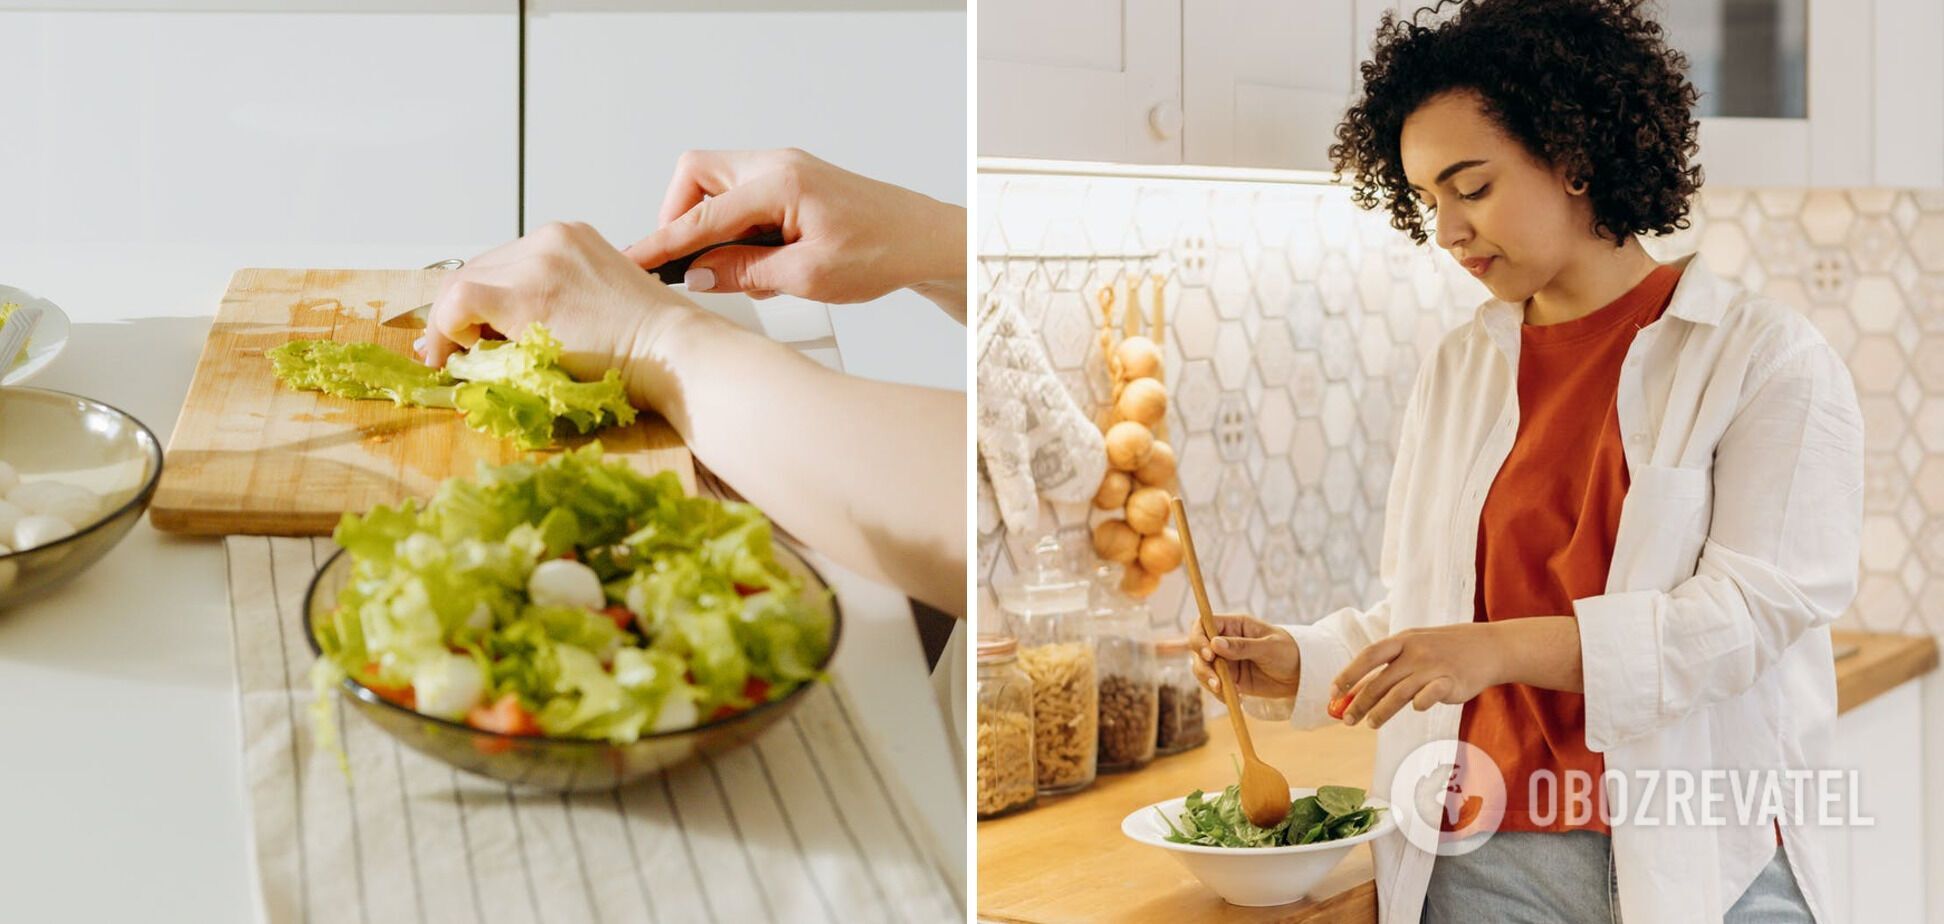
(1421, 668)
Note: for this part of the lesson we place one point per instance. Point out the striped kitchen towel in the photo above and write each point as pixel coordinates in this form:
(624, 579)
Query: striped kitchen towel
(806, 824)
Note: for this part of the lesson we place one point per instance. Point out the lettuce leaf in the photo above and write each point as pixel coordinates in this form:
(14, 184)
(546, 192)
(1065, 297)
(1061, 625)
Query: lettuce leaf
(511, 389)
(362, 371)
(517, 390)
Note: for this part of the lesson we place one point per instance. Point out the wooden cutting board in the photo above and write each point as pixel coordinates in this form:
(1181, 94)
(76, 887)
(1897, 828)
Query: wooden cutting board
(251, 456)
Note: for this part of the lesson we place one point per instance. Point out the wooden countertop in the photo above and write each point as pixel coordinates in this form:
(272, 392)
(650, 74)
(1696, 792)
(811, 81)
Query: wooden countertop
(1066, 860)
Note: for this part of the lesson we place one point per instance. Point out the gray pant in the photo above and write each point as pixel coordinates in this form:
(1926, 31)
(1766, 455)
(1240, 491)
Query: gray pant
(1534, 877)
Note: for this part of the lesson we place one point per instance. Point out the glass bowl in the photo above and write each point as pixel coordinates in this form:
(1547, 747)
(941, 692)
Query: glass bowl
(85, 442)
(559, 764)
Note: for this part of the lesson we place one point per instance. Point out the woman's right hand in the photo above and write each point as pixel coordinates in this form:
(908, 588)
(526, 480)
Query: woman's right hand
(1263, 659)
(848, 238)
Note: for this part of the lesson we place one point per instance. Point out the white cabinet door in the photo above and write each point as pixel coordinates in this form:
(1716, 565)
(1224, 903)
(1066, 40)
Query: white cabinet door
(1265, 81)
(1882, 876)
(142, 141)
(1096, 80)
(615, 96)
(1909, 82)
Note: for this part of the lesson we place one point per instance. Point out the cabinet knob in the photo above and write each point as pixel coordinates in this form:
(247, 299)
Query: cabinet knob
(1165, 118)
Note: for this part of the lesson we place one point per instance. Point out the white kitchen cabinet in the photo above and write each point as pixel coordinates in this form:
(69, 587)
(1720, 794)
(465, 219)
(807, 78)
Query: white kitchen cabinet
(1878, 873)
(1096, 80)
(1264, 81)
(289, 138)
(616, 92)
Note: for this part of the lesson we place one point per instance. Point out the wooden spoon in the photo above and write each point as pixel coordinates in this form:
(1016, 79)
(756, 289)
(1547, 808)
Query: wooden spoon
(1265, 793)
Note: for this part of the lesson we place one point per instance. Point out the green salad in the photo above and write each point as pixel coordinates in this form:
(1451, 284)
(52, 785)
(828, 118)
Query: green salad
(512, 389)
(6, 311)
(572, 598)
(1334, 813)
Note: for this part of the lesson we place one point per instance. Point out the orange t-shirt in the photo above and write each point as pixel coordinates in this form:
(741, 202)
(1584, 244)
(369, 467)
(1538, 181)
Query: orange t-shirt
(1545, 538)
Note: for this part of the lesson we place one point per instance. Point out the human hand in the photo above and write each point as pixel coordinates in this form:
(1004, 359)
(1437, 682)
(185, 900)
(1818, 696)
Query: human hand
(1421, 668)
(1263, 659)
(848, 238)
(601, 307)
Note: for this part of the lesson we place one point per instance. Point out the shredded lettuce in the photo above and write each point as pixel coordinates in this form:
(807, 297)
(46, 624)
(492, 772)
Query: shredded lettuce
(717, 624)
(517, 390)
(511, 389)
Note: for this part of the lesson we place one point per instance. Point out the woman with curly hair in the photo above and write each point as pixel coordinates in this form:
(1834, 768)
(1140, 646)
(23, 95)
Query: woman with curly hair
(1626, 505)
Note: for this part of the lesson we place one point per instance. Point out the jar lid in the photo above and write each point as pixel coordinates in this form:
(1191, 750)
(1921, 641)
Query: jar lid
(1177, 645)
(992, 647)
(1044, 586)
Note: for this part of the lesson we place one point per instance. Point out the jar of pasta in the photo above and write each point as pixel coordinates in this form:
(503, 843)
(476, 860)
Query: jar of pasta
(1047, 609)
(1005, 694)
(1178, 725)
(1124, 659)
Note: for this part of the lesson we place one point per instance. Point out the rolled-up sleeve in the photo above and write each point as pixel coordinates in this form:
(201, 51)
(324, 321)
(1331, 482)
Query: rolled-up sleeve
(1780, 558)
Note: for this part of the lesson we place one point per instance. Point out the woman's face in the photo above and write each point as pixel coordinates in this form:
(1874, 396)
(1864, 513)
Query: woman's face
(1505, 215)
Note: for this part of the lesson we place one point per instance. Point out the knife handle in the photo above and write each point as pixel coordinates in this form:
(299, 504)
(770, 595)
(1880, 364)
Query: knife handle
(672, 272)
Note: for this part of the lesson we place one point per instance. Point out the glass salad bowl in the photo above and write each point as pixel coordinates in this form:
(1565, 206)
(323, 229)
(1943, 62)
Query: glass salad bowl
(561, 764)
(51, 436)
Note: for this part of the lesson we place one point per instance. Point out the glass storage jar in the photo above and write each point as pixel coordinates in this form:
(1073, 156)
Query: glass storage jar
(1179, 725)
(1047, 609)
(1124, 658)
(1006, 779)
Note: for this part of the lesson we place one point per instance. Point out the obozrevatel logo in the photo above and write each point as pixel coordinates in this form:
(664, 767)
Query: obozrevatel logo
(1449, 797)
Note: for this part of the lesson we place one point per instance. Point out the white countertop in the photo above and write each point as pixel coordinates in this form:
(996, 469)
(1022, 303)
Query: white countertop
(121, 792)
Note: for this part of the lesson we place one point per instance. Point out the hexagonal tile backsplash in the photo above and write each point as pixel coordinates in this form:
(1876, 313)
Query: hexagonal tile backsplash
(1296, 323)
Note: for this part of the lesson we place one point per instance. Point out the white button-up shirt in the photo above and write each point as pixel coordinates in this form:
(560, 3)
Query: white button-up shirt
(1737, 547)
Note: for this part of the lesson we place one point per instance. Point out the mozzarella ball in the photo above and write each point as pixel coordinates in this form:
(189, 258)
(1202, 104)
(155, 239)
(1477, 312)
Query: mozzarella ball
(9, 515)
(36, 530)
(76, 505)
(448, 686)
(9, 479)
(560, 582)
(677, 712)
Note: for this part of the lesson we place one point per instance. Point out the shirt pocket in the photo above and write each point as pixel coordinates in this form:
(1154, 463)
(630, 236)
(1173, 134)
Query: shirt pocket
(1663, 525)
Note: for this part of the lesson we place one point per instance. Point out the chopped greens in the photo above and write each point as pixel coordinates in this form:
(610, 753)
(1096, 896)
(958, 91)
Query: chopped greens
(511, 389)
(457, 609)
(1334, 813)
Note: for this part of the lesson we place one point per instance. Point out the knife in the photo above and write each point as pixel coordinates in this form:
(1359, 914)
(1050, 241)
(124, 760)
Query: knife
(14, 333)
(669, 273)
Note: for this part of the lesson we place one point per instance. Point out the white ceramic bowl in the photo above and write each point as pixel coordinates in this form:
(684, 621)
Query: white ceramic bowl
(1253, 876)
(49, 336)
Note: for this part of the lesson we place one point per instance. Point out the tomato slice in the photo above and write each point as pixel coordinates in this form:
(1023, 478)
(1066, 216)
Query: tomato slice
(396, 695)
(505, 716)
(620, 614)
(756, 690)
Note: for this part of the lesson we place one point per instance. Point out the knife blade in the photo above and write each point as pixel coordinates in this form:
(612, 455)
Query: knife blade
(669, 273)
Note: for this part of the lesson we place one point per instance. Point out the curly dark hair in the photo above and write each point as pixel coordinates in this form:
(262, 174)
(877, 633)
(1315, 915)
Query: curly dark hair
(1585, 85)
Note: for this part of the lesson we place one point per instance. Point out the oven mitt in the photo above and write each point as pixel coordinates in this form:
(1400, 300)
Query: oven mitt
(1034, 438)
